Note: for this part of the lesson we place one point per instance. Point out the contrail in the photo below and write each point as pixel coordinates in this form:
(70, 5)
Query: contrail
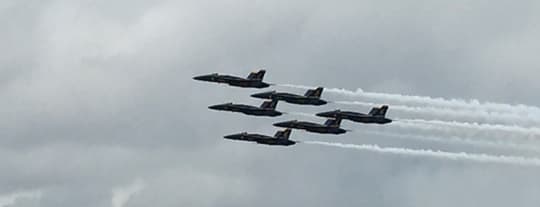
(462, 156)
(456, 114)
(471, 104)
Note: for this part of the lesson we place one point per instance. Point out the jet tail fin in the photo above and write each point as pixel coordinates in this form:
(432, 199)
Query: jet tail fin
(285, 134)
(259, 75)
(315, 92)
(379, 111)
(374, 111)
(270, 104)
(333, 122)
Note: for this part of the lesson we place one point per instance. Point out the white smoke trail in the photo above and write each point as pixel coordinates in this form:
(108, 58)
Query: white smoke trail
(449, 130)
(456, 114)
(302, 114)
(522, 132)
(531, 132)
(472, 104)
(453, 128)
(462, 156)
(458, 140)
(500, 136)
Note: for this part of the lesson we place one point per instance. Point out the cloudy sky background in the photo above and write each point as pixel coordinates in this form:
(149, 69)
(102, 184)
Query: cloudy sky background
(99, 109)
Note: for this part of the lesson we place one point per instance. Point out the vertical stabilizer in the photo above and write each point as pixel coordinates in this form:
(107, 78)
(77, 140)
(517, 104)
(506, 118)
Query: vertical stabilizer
(374, 111)
(315, 92)
(285, 134)
(257, 75)
(270, 104)
(379, 111)
(333, 122)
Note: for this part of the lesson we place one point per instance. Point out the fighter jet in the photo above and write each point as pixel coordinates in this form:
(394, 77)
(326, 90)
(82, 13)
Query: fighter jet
(330, 127)
(375, 116)
(312, 97)
(254, 80)
(281, 138)
(268, 108)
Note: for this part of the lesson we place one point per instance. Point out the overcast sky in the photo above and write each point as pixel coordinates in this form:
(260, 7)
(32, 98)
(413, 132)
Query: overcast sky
(98, 108)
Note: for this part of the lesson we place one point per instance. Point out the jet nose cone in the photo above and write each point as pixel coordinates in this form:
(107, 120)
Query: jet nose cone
(232, 136)
(265, 95)
(327, 114)
(216, 107)
(202, 78)
(278, 125)
(198, 78)
(323, 114)
(282, 124)
(257, 95)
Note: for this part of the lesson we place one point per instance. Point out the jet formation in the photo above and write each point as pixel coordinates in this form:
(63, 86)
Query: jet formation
(312, 97)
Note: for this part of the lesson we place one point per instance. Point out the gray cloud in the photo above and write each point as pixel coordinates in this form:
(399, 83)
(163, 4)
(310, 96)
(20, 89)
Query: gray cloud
(96, 94)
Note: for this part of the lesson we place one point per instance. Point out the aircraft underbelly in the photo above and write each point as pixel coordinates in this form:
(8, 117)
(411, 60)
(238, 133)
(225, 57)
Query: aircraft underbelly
(261, 113)
(298, 101)
(239, 83)
(368, 120)
(361, 119)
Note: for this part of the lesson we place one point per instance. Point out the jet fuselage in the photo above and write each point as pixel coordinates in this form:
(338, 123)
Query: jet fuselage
(233, 81)
(246, 109)
(356, 117)
(291, 98)
(311, 127)
(260, 139)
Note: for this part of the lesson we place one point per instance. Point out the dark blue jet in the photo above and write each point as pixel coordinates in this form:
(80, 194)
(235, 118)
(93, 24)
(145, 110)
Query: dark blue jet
(268, 108)
(281, 138)
(330, 127)
(312, 97)
(375, 116)
(254, 80)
